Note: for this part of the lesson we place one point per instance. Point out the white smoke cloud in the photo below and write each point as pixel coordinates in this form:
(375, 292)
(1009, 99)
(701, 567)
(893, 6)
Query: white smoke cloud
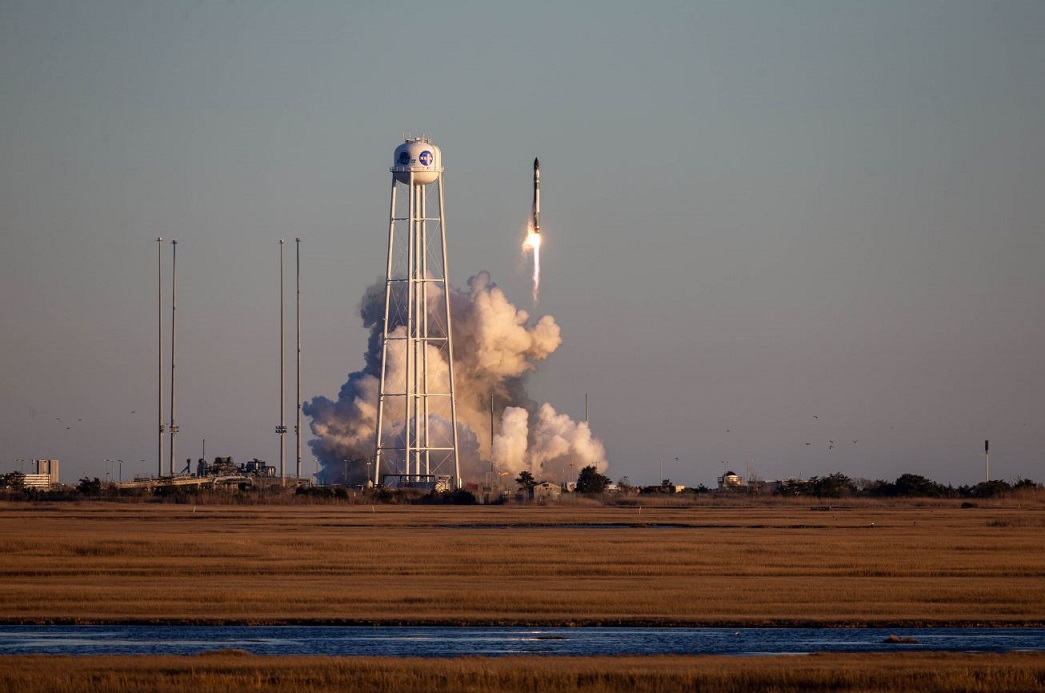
(495, 347)
(560, 443)
(510, 445)
(557, 447)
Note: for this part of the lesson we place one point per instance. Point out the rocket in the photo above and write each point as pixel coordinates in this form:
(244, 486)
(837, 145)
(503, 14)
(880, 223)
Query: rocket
(536, 196)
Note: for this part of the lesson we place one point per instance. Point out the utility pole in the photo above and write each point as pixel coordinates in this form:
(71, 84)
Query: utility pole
(281, 429)
(174, 306)
(159, 355)
(297, 424)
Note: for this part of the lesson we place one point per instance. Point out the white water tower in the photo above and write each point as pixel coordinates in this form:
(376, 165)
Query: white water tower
(416, 442)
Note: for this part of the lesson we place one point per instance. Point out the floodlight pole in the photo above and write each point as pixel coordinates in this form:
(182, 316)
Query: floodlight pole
(297, 424)
(281, 429)
(174, 293)
(159, 355)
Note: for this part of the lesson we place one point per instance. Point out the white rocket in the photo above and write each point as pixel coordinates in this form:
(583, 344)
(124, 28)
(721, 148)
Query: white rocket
(536, 196)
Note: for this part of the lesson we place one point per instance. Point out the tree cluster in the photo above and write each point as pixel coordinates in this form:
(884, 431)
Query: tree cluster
(839, 485)
(588, 481)
(12, 481)
(591, 481)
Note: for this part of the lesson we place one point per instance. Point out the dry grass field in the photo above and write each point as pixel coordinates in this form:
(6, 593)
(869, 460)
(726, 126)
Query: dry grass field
(231, 672)
(861, 564)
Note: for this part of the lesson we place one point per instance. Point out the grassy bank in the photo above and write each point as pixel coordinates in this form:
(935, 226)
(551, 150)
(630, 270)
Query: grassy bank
(759, 565)
(231, 671)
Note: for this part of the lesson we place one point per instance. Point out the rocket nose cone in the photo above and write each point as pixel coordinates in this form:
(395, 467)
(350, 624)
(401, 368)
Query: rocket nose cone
(536, 164)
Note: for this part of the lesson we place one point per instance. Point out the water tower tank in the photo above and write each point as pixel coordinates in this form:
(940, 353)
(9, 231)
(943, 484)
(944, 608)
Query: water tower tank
(419, 156)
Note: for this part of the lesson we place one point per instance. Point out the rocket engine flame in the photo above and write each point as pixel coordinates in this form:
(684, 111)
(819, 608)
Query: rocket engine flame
(533, 237)
(533, 244)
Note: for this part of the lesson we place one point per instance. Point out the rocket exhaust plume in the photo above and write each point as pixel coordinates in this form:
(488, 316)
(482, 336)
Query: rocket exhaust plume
(496, 345)
(533, 244)
(533, 235)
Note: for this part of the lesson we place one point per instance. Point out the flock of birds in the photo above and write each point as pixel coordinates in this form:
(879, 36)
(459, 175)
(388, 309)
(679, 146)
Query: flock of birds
(79, 420)
(830, 443)
(68, 428)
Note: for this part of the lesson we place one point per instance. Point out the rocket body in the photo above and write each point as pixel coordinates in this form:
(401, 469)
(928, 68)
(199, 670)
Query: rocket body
(536, 213)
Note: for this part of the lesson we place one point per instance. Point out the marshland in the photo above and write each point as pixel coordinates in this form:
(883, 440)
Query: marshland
(770, 564)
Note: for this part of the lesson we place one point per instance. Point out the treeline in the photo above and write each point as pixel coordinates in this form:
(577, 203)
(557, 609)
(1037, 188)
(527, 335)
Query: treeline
(590, 482)
(13, 488)
(839, 485)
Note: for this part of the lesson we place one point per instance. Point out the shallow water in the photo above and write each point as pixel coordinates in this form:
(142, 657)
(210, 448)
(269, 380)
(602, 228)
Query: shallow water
(484, 641)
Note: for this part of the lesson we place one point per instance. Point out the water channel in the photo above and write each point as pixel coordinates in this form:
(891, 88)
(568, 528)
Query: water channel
(492, 641)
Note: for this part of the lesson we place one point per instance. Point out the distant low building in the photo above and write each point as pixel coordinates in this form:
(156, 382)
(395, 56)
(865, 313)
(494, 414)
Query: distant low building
(546, 491)
(730, 481)
(45, 475)
(764, 486)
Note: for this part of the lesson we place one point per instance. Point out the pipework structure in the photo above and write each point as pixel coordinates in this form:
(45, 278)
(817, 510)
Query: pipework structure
(416, 439)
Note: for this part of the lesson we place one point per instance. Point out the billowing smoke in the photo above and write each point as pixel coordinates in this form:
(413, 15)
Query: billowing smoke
(556, 446)
(495, 347)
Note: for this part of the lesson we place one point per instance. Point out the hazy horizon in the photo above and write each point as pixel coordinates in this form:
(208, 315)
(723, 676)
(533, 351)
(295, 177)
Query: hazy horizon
(800, 238)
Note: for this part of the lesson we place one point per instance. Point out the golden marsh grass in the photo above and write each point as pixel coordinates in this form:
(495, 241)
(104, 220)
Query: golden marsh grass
(231, 671)
(759, 565)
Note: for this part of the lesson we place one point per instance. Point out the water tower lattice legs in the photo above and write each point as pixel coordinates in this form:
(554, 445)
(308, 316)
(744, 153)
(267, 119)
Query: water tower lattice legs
(416, 437)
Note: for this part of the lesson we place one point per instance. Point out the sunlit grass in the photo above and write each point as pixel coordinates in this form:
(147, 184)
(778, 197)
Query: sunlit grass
(594, 564)
(237, 671)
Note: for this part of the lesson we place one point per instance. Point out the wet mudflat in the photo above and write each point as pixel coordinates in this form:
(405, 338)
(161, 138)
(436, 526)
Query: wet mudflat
(385, 641)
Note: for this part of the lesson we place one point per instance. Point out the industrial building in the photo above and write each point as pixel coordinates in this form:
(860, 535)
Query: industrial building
(45, 475)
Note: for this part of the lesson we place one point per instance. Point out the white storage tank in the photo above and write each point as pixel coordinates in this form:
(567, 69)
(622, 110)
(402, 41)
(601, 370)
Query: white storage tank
(417, 155)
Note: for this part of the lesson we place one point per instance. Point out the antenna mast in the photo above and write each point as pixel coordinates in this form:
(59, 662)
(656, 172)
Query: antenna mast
(297, 424)
(174, 307)
(159, 355)
(281, 429)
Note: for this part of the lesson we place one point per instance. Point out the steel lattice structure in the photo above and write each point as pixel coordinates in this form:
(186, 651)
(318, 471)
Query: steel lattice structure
(416, 438)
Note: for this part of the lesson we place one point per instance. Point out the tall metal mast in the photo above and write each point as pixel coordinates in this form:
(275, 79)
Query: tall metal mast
(297, 424)
(159, 357)
(174, 306)
(281, 429)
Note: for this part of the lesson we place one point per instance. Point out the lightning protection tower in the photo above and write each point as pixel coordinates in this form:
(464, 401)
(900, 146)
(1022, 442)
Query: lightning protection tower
(416, 442)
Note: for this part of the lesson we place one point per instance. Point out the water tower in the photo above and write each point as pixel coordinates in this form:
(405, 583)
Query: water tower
(416, 442)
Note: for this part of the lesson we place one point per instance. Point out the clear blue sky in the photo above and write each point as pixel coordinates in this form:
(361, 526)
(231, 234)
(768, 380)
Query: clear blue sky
(798, 222)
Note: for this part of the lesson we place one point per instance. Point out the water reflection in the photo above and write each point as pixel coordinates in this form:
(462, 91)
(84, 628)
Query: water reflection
(455, 642)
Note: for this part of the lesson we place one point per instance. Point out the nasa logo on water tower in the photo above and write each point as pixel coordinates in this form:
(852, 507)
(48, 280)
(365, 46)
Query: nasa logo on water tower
(417, 161)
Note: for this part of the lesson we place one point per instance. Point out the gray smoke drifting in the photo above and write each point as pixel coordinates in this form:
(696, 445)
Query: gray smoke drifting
(495, 347)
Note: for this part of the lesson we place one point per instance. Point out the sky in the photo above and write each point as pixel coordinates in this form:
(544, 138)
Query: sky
(767, 226)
